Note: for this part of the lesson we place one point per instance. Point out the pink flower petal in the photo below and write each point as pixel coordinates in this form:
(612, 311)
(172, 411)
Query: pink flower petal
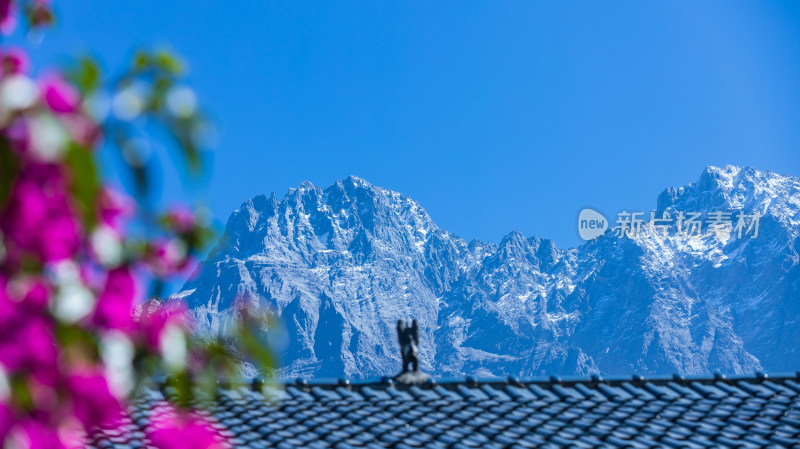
(15, 60)
(113, 207)
(38, 218)
(58, 94)
(33, 434)
(8, 19)
(182, 219)
(115, 305)
(153, 324)
(173, 429)
(92, 401)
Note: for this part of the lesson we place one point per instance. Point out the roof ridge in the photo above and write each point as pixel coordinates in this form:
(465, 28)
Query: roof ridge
(472, 381)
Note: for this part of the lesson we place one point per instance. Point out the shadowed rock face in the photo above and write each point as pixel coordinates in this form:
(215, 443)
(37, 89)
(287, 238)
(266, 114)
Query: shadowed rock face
(343, 264)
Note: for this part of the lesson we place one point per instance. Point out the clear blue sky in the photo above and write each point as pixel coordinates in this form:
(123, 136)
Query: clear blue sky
(494, 115)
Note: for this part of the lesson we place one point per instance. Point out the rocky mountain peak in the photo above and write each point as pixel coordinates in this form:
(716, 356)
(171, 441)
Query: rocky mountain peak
(341, 265)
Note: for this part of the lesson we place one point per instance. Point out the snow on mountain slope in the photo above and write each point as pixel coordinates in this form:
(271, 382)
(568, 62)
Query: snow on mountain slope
(341, 265)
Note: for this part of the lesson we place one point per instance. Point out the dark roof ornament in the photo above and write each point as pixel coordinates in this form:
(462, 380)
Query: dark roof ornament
(408, 337)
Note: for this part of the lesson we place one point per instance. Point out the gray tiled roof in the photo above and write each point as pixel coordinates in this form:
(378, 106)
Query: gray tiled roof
(746, 412)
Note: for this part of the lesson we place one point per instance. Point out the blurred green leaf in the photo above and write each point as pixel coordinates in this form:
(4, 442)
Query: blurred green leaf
(68, 334)
(141, 60)
(199, 238)
(86, 75)
(254, 324)
(20, 392)
(141, 179)
(37, 15)
(146, 365)
(30, 263)
(179, 388)
(85, 182)
(77, 343)
(192, 154)
(181, 131)
(161, 86)
(9, 167)
(168, 62)
(137, 166)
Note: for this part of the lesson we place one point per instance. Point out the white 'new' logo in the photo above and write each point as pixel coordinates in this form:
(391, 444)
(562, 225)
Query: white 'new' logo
(591, 224)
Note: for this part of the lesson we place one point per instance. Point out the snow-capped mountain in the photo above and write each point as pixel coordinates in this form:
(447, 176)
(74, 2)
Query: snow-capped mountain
(341, 265)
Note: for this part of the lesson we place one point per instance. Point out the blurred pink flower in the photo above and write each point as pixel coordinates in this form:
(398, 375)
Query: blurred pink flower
(14, 60)
(60, 239)
(8, 20)
(92, 275)
(41, 15)
(182, 219)
(18, 134)
(152, 325)
(36, 294)
(115, 305)
(33, 434)
(92, 401)
(29, 347)
(167, 257)
(173, 429)
(83, 130)
(113, 206)
(17, 307)
(59, 95)
(5, 9)
(38, 218)
(6, 421)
